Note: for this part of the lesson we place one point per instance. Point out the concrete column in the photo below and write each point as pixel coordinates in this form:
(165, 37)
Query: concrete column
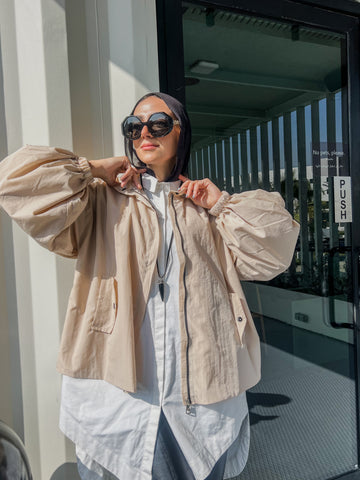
(37, 111)
(113, 61)
(11, 405)
(68, 77)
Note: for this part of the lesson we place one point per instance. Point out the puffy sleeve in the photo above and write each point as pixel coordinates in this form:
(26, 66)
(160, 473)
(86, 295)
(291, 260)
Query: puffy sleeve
(259, 232)
(47, 191)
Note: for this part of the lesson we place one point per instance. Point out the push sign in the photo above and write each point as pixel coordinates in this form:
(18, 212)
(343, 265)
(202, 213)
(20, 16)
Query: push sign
(342, 199)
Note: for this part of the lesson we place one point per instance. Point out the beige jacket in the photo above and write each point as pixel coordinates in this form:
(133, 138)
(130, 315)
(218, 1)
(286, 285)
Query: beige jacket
(114, 235)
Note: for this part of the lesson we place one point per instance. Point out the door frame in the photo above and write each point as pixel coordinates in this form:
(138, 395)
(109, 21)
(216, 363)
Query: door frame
(324, 14)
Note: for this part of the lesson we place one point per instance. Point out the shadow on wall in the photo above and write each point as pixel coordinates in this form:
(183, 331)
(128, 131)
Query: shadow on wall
(66, 471)
(3, 136)
(89, 53)
(111, 46)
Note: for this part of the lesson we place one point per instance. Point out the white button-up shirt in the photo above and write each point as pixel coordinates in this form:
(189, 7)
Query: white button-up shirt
(116, 430)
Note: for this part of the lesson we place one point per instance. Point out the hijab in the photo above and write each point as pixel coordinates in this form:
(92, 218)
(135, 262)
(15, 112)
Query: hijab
(183, 150)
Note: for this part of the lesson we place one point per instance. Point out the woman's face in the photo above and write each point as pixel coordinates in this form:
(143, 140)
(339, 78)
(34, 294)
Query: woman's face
(158, 153)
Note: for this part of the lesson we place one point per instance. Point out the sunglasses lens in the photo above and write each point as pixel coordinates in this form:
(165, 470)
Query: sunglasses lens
(132, 128)
(160, 124)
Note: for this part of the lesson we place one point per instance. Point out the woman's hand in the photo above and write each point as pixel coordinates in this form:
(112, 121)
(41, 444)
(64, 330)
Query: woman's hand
(108, 170)
(202, 192)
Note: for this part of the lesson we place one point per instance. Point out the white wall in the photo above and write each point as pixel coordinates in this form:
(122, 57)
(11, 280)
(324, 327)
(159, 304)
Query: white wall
(6, 413)
(113, 62)
(68, 77)
(11, 405)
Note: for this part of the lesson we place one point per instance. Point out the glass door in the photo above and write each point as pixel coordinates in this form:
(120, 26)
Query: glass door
(268, 102)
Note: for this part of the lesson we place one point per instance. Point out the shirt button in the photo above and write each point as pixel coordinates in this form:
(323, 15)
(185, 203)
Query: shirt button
(239, 319)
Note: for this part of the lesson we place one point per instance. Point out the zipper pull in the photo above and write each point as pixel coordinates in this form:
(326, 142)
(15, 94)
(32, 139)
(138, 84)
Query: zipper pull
(190, 410)
(161, 289)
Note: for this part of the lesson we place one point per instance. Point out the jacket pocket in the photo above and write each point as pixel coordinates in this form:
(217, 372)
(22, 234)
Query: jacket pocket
(239, 316)
(106, 306)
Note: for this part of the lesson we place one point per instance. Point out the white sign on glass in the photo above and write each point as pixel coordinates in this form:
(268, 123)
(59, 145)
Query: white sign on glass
(342, 199)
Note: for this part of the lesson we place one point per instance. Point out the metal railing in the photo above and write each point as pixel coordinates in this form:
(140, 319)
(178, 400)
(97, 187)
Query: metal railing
(277, 155)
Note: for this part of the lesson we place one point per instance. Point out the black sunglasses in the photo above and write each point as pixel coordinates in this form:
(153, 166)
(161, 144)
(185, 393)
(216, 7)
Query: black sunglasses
(159, 124)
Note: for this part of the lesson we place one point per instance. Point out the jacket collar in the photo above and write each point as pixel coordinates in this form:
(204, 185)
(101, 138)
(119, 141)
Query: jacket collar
(151, 184)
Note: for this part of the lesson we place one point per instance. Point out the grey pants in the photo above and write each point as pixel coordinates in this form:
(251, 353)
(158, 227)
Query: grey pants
(169, 461)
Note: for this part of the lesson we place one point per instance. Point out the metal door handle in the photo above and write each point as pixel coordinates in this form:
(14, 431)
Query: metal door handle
(333, 322)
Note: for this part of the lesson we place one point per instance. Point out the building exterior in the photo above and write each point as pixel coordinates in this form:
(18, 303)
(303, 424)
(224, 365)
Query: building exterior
(272, 89)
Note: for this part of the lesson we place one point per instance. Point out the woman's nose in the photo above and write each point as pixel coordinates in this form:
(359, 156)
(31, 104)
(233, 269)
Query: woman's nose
(145, 132)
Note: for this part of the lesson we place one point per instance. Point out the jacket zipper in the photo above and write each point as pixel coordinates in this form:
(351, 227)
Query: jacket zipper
(188, 408)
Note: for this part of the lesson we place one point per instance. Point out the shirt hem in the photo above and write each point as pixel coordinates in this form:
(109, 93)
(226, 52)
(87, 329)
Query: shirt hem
(205, 455)
(80, 437)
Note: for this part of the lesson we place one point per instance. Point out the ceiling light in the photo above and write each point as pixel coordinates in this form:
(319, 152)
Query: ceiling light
(203, 67)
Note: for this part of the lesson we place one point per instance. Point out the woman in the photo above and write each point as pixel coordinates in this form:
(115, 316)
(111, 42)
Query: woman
(158, 346)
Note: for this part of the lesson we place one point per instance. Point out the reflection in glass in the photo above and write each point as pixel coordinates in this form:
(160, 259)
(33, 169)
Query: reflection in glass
(273, 115)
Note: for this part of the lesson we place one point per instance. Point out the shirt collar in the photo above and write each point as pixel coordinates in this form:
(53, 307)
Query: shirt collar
(151, 184)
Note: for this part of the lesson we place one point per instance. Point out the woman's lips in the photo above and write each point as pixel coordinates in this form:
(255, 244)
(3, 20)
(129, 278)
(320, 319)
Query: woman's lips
(148, 146)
